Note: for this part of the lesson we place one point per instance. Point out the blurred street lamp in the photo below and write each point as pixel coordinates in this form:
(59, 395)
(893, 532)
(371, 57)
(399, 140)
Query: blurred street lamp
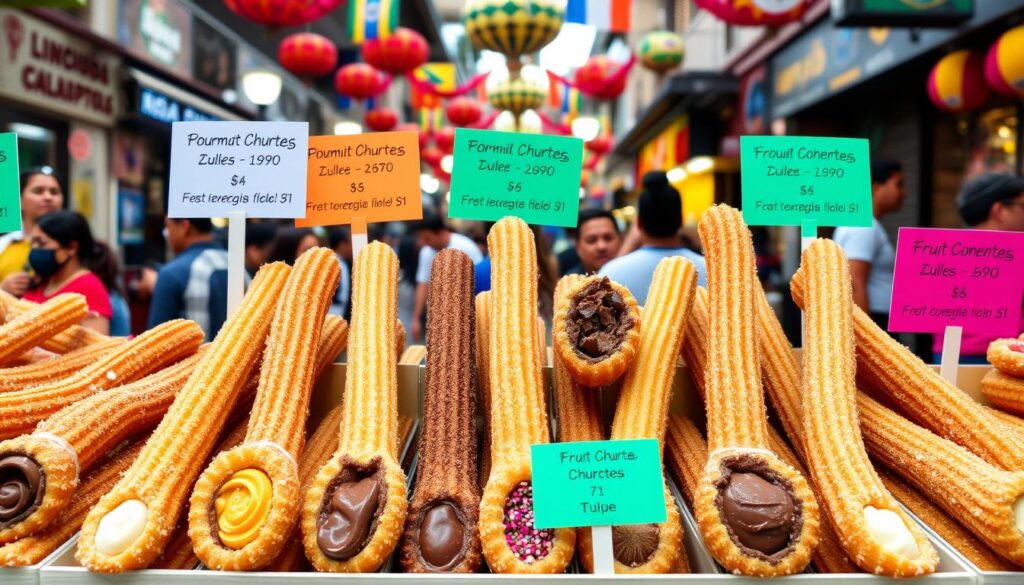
(586, 128)
(262, 87)
(347, 127)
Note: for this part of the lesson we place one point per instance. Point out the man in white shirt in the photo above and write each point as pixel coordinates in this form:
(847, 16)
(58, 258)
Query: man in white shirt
(433, 236)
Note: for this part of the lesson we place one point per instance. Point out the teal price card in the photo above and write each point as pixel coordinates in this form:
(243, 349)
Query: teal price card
(10, 189)
(597, 483)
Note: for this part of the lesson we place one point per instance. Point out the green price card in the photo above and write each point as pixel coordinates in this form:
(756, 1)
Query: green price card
(805, 180)
(597, 483)
(535, 177)
(10, 189)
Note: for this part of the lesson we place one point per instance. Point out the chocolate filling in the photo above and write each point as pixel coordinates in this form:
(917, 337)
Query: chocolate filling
(442, 537)
(759, 509)
(22, 487)
(634, 544)
(349, 511)
(598, 321)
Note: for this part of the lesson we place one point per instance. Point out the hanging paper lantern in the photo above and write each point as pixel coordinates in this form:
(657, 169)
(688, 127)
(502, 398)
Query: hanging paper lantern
(513, 27)
(360, 81)
(381, 119)
(599, 78)
(957, 82)
(517, 95)
(464, 111)
(281, 13)
(307, 54)
(431, 155)
(445, 139)
(756, 12)
(661, 50)
(600, 146)
(1004, 63)
(399, 53)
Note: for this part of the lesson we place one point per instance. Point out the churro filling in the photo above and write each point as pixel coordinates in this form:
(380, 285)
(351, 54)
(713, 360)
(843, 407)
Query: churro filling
(22, 486)
(242, 506)
(1016, 346)
(634, 544)
(525, 541)
(598, 321)
(758, 508)
(442, 537)
(890, 531)
(121, 527)
(352, 502)
(1018, 513)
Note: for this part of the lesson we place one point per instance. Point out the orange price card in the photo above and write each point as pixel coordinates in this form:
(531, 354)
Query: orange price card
(372, 176)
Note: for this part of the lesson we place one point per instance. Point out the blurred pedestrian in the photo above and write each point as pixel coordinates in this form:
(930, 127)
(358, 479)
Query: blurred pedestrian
(259, 242)
(40, 194)
(434, 235)
(291, 242)
(341, 243)
(658, 220)
(66, 259)
(869, 251)
(597, 240)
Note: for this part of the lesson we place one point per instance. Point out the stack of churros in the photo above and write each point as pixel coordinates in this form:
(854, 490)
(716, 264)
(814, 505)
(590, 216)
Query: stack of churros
(70, 339)
(55, 367)
(26, 331)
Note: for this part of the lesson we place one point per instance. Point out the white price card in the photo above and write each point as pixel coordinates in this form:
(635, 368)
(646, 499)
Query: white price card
(258, 168)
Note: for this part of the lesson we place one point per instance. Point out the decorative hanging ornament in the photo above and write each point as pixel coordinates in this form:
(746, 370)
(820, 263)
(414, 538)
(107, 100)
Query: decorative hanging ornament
(600, 146)
(601, 78)
(444, 138)
(1004, 63)
(513, 27)
(464, 111)
(413, 127)
(957, 82)
(399, 53)
(281, 13)
(307, 54)
(661, 51)
(756, 12)
(360, 81)
(381, 119)
(517, 96)
(431, 155)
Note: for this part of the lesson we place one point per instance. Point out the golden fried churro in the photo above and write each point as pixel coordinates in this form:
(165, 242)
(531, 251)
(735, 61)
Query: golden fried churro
(1006, 392)
(413, 355)
(578, 412)
(1015, 422)
(355, 508)
(29, 329)
(130, 526)
(987, 500)
(757, 514)
(70, 339)
(483, 353)
(55, 367)
(1007, 355)
(246, 502)
(685, 454)
(333, 339)
(518, 419)
(874, 530)
(441, 528)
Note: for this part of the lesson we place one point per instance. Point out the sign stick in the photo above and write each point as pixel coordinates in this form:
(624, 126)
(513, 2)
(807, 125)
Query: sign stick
(604, 554)
(236, 259)
(360, 236)
(950, 353)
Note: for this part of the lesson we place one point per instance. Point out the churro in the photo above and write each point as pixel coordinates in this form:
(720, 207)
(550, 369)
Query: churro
(1004, 391)
(356, 506)
(1007, 355)
(413, 355)
(55, 367)
(31, 328)
(130, 526)
(596, 330)
(1014, 422)
(70, 339)
(757, 514)
(577, 410)
(482, 304)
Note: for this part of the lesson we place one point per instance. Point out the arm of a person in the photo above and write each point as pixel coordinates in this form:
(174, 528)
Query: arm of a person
(859, 272)
(166, 302)
(417, 310)
(97, 323)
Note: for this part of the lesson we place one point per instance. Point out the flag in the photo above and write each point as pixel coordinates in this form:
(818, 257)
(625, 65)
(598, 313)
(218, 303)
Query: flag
(439, 75)
(371, 19)
(610, 15)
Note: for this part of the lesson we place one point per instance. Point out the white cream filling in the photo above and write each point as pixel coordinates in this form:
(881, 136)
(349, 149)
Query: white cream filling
(121, 527)
(1018, 513)
(891, 532)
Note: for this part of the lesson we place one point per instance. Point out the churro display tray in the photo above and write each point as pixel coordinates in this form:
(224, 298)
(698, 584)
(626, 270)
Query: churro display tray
(30, 575)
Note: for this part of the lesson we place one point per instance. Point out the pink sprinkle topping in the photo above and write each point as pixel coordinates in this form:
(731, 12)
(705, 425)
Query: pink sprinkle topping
(1016, 346)
(526, 542)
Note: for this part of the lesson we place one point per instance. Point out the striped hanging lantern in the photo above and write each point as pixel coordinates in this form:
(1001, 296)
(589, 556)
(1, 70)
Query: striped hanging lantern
(661, 51)
(399, 53)
(957, 82)
(513, 27)
(1004, 63)
(517, 95)
(360, 81)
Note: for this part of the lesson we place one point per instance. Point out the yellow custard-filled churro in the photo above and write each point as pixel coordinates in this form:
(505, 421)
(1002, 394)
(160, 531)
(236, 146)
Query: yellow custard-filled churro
(130, 526)
(757, 514)
(875, 531)
(483, 379)
(1006, 392)
(70, 339)
(56, 367)
(354, 511)
(518, 417)
(246, 502)
(1007, 355)
(29, 329)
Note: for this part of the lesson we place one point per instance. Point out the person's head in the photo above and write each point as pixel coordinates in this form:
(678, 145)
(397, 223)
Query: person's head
(597, 238)
(63, 239)
(659, 207)
(432, 231)
(993, 201)
(291, 242)
(340, 242)
(259, 240)
(182, 233)
(887, 190)
(40, 193)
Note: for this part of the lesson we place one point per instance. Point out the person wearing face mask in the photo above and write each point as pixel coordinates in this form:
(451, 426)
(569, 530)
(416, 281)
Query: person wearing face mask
(66, 259)
(40, 194)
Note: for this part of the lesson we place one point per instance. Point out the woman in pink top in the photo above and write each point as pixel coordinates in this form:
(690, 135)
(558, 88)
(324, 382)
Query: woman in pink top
(66, 259)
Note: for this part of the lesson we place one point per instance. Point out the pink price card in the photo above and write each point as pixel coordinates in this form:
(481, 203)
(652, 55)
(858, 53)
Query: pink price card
(970, 278)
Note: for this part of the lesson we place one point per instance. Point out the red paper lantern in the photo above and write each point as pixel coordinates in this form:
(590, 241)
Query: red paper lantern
(1004, 63)
(307, 54)
(957, 82)
(432, 155)
(600, 146)
(596, 78)
(281, 13)
(381, 119)
(755, 12)
(445, 139)
(359, 81)
(464, 111)
(411, 127)
(400, 53)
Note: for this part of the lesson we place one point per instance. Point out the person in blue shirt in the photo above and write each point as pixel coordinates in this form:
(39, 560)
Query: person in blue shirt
(659, 218)
(195, 284)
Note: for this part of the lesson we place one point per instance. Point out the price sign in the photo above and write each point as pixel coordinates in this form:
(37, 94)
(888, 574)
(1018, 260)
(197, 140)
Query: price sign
(968, 278)
(258, 168)
(10, 187)
(373, 176)
(802, 180)
(535, 177)
(597, 483)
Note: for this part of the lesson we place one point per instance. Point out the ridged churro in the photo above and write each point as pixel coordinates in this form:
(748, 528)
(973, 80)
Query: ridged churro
(356, 507)
(874, 530)
(757, 514)
(31, 328)
(413, 355)
(518, 417)
(1007, 355)
(1014, 422)
(577, 409)
(70, 339)
(246, 502)
(130, 526)
(596, 330)
(56, 367)
(482, 304)
(1004, 391)
(441, 528)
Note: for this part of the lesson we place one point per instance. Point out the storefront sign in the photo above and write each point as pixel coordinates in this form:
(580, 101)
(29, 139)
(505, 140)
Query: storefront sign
(161, 108)
(158, 29)
(597, 483)
(222, 167)
(803, 180)
(47, 68)
(10, 189)
(535, 177)
(372, 176)
(968, 278)
(919, 13)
